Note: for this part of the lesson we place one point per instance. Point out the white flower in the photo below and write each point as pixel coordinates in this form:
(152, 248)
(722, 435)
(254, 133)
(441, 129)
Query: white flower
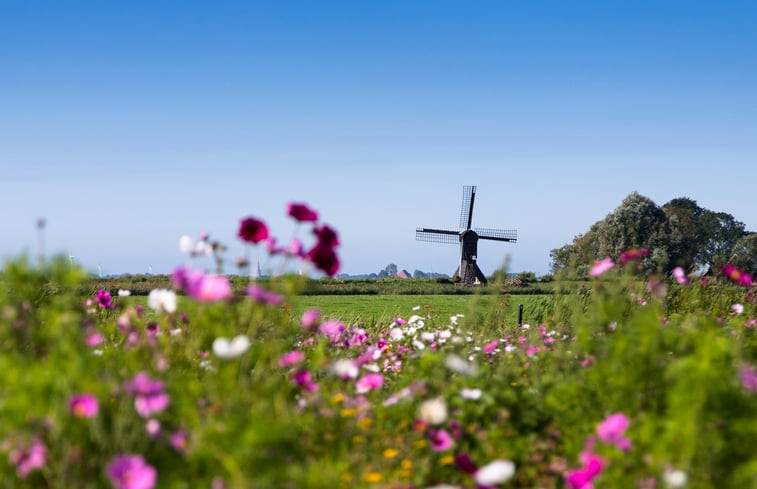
(526, 326)
(396, 334)
(162, 300)
(737, 308)
(413, 319)
(416, 308)
(433, 411)
(675, 478)
(453, 319)
(225, 349)
(494, 473)
(372, 367)
(419, 345)
(612, 326)
(186, 244)
(510, 348)
(124, 293)
(344, 369)
(459, 365)
(445, 334)
(427, 336)
(470, 394)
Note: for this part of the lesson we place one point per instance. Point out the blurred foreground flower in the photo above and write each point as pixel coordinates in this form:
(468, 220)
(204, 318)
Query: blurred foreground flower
(83, 406)
(252, 230)
(150, 396)
(737, 276)
(601, 266)
(225, 349)
(28, 458)
(680, 275)
(494, 473)
(162, 300)
(433, 411)
(131, 472)
(611, 431)
(301, 212)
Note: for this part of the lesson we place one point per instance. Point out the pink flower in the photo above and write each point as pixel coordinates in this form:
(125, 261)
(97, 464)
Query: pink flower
(680, 275)
(633, 254)
(131, 472)
(291, 358)
(212, 288)
(179, 441)
(440, 440)
(303, 379)
(149, 394)
(296, 249)
(103, 299)
(490, 347)
(612, 428)
(332, 328)
(657, 288)
(94, 339)
(601, 266)
(301, 212)
(263, 296)
(83, 406)
(28, 458)
(581, 478)
(310, 318)
(326, 236)
(368, 382)
(748, 376)
(252, 230)
(737, 276)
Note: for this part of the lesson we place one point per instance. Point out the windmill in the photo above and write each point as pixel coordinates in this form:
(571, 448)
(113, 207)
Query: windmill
(467, 237)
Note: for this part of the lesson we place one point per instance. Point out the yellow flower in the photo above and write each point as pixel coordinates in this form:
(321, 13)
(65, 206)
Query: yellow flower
(372, 477)
(406, 464)
(348, 413)
(365, 423)
(337, 398)
(391, 453)
(447, 460)
(419, 443)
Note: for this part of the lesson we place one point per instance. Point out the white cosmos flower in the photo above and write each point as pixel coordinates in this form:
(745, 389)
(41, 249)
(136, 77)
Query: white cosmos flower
(459, 365)
(344, 369)
(433, 411)
(416, 308)
(445, 334)
(396, 334)
(737, 308)
(162, 300)
(494, 473)
(419, 345)
(225, 349)
(675, 478)
(470, 394)
(414, 319)
(186, 244)
(124, 293)
(427, 336)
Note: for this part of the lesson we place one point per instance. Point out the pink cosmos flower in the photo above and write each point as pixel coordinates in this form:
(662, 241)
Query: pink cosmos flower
(601, 266)
(149, 394)
(612, 428)
(581, 478)
(303, 379)
(263, 296)
(291, 358)
(301, 212)
(212, 288)
(368, 382)
(83, 405)
(748, 375)
(28, 458)
(94, 339)
(179, 441)
(131, 472)
(326, 236)
(103, 299)
(310, 318)
(440, 440)
(490, 347)
(680, 275)
(332, 328)
(296, 249)
(252, 230)
(632, 255)
(324, 258)
(737, 276)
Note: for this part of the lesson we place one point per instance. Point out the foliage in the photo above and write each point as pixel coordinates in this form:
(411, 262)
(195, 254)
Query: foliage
(424, 400)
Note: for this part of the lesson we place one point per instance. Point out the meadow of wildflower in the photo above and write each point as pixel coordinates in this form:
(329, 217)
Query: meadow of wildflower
(637, 381)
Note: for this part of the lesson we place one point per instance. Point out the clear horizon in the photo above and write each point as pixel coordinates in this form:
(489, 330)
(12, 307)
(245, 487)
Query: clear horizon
(126, 126)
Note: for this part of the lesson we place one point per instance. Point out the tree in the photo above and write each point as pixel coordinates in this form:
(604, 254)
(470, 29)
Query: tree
(744, 253)
(721, 232)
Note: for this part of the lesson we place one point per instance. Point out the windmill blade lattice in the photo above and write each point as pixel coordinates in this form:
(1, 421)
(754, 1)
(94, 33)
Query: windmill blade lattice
(509, 235)
(466, 210)
(437, 236)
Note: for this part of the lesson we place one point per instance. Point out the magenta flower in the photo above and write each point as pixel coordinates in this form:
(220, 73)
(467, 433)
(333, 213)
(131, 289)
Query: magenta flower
(326, 236)
(252, 230)
(28, 458)
(368, 382)
(440, 440)
(263, 296)
(748, 376)
(84, 406)
(332, 328)
(301, 212)
(737, 276)
(94, 339)
(633, 254)
(296, 249)
(601, 266)
(490, 347)
(291, 358)
(131, 472)
(324, 258)
(310, 318)
(149, 394)
(581, 478)
(303, 379)
(212, 288)
(103, 299)
(611, 431)
(680, 275)
(179, 441)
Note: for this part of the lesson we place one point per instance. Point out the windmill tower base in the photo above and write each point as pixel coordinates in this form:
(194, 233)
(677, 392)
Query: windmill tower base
(471, 275)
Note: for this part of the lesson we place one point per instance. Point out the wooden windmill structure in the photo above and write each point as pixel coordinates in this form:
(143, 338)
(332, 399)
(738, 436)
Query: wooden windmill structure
(467, 238)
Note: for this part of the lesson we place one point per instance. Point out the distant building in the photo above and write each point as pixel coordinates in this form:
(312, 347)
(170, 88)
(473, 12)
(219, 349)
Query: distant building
(403, 274)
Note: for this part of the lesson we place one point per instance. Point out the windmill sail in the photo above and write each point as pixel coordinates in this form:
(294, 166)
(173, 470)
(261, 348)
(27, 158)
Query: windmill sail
(466, 210)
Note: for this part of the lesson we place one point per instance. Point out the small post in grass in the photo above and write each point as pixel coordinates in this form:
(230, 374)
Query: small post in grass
(520, 315)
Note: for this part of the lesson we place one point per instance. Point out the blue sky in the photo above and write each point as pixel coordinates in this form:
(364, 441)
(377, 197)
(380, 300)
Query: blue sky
(128, 124)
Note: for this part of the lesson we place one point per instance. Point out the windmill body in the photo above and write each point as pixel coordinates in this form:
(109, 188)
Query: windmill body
(467, 238)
